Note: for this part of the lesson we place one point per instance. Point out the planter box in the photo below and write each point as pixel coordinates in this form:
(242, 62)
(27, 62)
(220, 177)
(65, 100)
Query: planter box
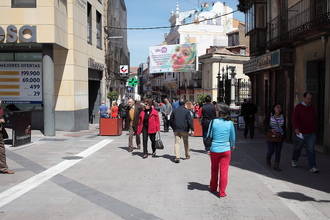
(198, 130)
(110, 126)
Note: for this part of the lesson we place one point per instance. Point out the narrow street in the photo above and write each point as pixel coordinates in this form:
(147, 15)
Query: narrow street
(107, 182)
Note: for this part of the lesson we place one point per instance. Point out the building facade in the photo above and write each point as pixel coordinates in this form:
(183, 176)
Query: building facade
(290, 56)
(223, 77)
(62, 41)
(117, 53)
(204, 34)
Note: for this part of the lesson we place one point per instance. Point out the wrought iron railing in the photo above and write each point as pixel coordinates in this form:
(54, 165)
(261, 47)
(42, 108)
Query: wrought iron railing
(298, 20)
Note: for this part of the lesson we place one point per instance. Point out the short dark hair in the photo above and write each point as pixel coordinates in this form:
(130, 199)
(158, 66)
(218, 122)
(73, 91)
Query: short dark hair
(148, 102)
(224, 111)
(208, 98)
(307, 93)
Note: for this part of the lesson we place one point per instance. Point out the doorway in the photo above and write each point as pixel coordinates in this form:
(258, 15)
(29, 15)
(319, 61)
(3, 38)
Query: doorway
(315, 83)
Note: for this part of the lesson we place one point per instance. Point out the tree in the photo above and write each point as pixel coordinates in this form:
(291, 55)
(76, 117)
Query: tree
(201, 98)
(113, 96)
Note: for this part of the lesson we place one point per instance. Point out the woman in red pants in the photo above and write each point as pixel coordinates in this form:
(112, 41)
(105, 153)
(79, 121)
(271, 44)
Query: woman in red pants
(223, 135)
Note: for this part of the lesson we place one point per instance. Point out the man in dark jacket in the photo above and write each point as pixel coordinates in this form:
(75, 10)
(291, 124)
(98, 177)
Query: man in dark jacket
(181, 123)
(248, 111)
(208, 114)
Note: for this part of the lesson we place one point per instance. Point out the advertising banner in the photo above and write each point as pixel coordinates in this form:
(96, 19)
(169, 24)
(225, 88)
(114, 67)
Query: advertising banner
(173, 58)
(21, 82)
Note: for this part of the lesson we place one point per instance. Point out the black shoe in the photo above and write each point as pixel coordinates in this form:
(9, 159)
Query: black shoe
(130, 149)
(154, 154)
(177, 160)
(145, 156)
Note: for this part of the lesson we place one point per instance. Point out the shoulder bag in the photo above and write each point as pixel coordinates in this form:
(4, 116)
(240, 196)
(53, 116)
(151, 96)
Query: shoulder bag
(159, 143)
(274, 137)
(208, 140)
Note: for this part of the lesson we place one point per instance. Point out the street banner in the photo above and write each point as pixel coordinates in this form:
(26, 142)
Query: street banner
(21, 82)
(173, 58)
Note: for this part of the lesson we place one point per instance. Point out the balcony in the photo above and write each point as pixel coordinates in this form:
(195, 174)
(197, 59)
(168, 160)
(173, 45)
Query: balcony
(305, 18)
(257, 41)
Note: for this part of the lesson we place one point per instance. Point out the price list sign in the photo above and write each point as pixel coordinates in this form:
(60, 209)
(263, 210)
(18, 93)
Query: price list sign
(21, 82)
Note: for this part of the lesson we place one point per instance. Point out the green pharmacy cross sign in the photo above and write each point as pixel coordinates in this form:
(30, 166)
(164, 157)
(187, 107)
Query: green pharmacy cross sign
(133, 82)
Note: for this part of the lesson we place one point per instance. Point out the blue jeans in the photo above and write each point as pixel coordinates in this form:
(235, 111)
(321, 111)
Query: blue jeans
(308, 142)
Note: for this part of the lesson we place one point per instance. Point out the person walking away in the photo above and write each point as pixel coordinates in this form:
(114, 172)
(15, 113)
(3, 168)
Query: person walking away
(176, 104)
(149, 125)
(181, 123)
(248, 111)
(208, 114)
(304, 124)
(166, 113)
(103, 110)
(275, 125)
(223, 135)
(122, 112)
(3, 163)
(114, 110)
(133, 114)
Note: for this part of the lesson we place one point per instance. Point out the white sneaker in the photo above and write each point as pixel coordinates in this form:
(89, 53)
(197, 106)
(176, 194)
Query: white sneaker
(294, 163)
(314, 170)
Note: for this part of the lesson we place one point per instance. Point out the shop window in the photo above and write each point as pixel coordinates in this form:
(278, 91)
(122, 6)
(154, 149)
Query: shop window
(98, 30)
(23, 3)
(89, 23)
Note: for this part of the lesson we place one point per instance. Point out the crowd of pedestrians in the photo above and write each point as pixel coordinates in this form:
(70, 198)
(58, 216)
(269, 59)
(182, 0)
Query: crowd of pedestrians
(219, 134)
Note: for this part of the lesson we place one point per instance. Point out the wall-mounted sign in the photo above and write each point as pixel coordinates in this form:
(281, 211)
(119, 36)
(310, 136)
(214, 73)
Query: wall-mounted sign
(21, 82)
(26, 34)
(123, 69)
(266, 61)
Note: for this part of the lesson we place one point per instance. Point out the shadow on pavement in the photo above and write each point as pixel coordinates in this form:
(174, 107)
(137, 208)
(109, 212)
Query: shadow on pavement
(299, 197)
(251, 155)
(169, 157)
(197, 186)
(140, 154)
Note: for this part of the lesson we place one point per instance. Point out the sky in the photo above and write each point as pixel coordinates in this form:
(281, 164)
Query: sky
(149, 13)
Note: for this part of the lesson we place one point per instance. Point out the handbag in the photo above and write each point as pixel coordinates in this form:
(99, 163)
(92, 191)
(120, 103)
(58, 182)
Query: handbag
(274, 137)
(208, 140)
(159, 143)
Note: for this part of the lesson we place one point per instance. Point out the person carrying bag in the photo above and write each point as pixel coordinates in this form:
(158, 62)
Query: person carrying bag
(275, 128)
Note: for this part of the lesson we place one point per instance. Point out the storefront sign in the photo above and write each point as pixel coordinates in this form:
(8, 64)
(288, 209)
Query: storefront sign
(26, 34)
(21, 82)
(173, 58)
(267, 61)
(95, 65)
